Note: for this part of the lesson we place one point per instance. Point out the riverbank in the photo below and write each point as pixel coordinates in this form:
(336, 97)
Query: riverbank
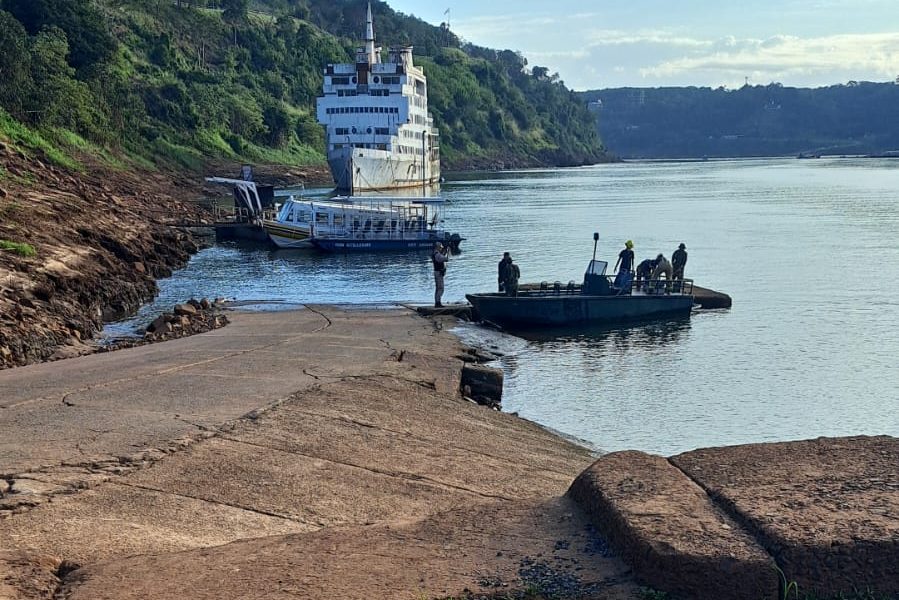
(81, 248)
(90, 248)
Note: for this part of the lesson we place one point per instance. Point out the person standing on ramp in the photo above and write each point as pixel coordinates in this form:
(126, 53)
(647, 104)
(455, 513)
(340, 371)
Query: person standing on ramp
(439, 258)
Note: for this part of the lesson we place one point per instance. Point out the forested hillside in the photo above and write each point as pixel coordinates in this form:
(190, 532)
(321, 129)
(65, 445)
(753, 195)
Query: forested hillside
(185, 81)
(771, 120)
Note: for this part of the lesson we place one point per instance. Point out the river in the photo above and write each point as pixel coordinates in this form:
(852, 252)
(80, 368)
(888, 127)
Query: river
(808, 250)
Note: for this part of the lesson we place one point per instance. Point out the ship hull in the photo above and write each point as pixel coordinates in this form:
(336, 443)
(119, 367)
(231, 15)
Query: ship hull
(377, 170)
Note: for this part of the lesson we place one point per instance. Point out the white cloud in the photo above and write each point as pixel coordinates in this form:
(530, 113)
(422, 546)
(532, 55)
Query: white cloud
(780, 57)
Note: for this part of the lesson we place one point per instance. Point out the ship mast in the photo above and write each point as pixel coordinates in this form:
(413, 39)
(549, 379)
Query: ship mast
(370, 37)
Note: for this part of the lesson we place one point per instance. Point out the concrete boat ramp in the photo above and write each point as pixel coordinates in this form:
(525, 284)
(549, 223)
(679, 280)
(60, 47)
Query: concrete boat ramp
(328, 453)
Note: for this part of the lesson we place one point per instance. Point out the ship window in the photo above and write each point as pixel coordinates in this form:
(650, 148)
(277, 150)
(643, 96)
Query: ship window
(354, 80)
(382, 131)
(340, 80)
(338, 220)
(321, 218)
(377, 79)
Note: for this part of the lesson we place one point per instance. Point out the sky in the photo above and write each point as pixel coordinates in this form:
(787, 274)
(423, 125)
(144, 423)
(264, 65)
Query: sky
(652, 43)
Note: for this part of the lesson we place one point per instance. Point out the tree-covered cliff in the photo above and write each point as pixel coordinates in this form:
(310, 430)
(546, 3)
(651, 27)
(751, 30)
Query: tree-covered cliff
(185, 81)
(769, 120)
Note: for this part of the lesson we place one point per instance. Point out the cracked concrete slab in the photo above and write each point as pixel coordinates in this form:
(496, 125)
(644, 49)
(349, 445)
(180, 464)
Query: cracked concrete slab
(498, 547)
(347, 423)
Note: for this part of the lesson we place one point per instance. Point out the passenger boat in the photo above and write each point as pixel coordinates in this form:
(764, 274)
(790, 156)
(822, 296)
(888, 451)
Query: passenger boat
(379, 134)
(595, 301)
(346, 224)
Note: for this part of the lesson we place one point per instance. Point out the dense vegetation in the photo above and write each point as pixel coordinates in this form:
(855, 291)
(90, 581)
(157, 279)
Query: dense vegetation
(771, 120)
(188, 80)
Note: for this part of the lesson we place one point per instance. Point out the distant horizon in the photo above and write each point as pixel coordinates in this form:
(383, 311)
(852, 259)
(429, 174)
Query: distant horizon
(647, 44)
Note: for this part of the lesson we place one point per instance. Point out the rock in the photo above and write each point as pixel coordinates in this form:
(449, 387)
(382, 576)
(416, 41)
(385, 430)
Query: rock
(204, 304)
(4, 487)
(185, 309)
(193, 302)
(157, 324)
(3, 193)
(140, 268)
(185, 321)
(483, 382)
(670, 532)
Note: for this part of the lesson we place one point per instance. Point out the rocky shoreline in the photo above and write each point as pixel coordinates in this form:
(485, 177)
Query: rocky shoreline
(98, 240)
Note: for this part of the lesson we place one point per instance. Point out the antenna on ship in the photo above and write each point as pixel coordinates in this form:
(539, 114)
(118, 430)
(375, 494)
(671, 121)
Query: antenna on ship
(370, 37)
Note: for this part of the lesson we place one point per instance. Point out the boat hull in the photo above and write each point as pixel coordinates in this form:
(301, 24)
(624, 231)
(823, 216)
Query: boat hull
(287, 237)
(377, 170)
(548, 310)
(343, 245)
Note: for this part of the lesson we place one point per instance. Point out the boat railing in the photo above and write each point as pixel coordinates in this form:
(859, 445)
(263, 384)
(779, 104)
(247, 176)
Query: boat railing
(683, 287)
(645, 287)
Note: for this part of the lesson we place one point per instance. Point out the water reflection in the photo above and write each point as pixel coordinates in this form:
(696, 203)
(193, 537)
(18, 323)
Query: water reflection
(637, 334)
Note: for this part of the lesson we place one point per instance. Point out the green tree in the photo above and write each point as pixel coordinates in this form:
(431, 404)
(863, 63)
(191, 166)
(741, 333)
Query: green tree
(88, 37)
(15, 63)
(235, 11)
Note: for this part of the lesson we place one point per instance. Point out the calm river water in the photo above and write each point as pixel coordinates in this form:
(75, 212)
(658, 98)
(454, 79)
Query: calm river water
(808, 249)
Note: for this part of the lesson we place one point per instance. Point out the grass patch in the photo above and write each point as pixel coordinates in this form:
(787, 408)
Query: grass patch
(20, 248)
(181, 155)
(294, 154)
(71, 139)
(28, 139)
(213, 142)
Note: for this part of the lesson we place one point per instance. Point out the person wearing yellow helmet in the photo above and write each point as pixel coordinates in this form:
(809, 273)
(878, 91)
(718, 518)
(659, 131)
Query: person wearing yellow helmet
(625, 266)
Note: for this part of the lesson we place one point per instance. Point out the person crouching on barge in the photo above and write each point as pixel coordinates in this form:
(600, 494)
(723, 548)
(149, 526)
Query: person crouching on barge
(439, 259)
(644, 270)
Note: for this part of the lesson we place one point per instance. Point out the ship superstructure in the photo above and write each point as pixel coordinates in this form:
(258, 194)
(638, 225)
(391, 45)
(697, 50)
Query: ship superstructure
(379, 133)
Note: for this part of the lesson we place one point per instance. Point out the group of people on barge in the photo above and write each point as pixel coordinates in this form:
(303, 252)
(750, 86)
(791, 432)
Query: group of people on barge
(508, 273)
(648, 269)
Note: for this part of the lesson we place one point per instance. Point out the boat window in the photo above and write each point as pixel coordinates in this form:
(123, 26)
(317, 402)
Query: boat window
(338, 220)
(321, 218)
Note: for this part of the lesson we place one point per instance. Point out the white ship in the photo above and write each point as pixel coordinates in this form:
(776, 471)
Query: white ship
(378, 130)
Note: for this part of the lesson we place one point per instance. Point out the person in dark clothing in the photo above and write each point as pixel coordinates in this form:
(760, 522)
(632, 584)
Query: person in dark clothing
(625, 264)
(438, 259)
(644, 270)
(512, 279)
(679, 261)
(502, 274)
